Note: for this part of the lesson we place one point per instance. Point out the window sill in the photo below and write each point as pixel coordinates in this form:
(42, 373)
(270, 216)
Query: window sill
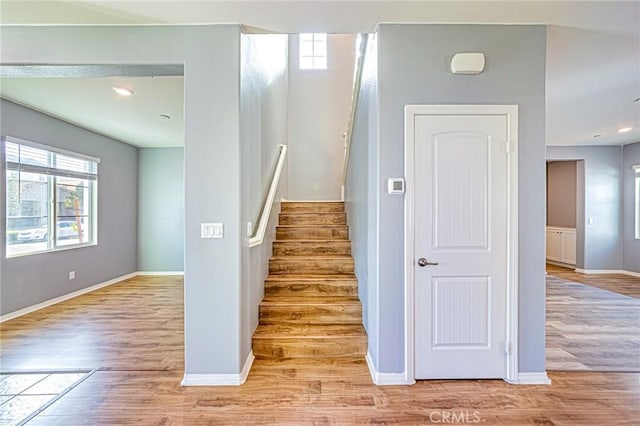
(59, 249)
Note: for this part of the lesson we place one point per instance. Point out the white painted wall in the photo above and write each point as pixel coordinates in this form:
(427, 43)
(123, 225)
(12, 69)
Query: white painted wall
(319, 106)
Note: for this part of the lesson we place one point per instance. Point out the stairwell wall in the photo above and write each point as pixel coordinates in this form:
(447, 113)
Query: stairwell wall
(360, 194)
(263, 126)
(319, 106)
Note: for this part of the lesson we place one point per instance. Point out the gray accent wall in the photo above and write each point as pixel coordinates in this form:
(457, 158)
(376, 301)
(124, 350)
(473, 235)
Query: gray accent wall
(319, 107)
(32, 279)
(601, 216)
(631, 245)
(413, 69)
(263, 126)
(161, 210)
(561, 193)
(359, 195)
(210, 55)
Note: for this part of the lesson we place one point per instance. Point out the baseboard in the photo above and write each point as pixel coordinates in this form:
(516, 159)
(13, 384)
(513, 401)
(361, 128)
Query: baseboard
(607, 271)
(47, 303)
(160, 273)
(562, 264)
(386, 379)
(534, 378)
(228, 379)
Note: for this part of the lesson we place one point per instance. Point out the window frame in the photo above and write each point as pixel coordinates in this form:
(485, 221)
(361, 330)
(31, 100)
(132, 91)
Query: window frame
(54, 215)
(318, 59)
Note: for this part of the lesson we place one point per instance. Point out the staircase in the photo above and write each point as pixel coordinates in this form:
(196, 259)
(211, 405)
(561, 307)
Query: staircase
(311, 307)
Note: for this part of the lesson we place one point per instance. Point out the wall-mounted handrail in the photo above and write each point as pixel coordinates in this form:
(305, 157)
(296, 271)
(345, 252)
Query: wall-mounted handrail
(263, 220)
(357, 77)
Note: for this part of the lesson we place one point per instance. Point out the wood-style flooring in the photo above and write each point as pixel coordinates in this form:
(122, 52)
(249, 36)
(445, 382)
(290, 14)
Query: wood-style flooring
(132, 334)
(592, 326)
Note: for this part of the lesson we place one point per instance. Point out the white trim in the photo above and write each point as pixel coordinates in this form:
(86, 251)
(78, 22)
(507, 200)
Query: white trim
(33, 308)
(607, 271)
(387, 379)
(159, 273)
(533, 379)
(226, 379)
(265, 213)
(511, 112)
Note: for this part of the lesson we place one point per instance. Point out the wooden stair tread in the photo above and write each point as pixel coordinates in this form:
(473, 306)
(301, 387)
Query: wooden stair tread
(310, 300)
(312, 277)
(318, 241)
(314, 257)
(308, 331)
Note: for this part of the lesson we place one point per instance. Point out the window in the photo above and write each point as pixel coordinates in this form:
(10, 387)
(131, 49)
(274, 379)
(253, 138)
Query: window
(51, 198)
(313, 51)
(636, 168)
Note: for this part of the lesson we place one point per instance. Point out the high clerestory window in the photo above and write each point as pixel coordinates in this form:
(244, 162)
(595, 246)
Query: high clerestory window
(313, 51)
(50, 198)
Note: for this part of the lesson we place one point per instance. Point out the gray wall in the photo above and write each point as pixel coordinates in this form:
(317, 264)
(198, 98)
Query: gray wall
(631, 245)
(263, 114)
(211, 58)
(412, 69)
(161, 209)
(359, 190)
(602, 216)
(29, 280)
(561, 193)
(319, 106)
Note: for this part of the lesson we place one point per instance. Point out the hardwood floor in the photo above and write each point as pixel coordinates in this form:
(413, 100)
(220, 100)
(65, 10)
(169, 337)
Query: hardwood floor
(592, 327)
(132, 334)
(618, 283)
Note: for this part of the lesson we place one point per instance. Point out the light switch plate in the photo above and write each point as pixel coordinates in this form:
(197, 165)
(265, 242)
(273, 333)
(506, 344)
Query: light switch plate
(211, 230)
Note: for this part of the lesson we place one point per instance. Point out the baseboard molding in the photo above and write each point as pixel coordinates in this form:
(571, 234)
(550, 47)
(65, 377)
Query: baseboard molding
(534, 378)
(228, 379)
(386, 379)
(562, 264)
(160, 273)
(607, 271)
(47, 303)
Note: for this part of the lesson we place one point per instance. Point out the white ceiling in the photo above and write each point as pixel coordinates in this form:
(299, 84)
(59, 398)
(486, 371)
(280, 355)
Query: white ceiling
(91, 103)
(593, 65)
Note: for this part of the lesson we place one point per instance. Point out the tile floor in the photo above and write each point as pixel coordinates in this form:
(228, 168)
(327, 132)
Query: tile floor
(22, 395)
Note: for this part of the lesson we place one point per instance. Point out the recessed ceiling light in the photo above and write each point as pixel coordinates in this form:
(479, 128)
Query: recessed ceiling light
(122, 91)
(165, 116)
(596, 136)
(625, 129)
(636, 100)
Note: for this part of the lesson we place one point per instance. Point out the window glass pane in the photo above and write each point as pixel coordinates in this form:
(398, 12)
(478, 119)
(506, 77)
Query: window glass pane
(319, 49)
(306, 49)
(72, 211)
(306, 63)
(306, 37)
(320, 63)
(27, 212)
(49, 199)
(637, 205)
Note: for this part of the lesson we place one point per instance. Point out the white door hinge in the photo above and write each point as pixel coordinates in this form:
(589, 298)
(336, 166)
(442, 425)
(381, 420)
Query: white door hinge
(507, 348)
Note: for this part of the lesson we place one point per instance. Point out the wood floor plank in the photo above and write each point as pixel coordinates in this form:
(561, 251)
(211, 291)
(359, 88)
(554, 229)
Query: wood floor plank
(139, 382)
(590, 328)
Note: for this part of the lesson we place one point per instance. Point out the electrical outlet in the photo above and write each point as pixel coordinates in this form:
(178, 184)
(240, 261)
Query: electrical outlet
(72, 275)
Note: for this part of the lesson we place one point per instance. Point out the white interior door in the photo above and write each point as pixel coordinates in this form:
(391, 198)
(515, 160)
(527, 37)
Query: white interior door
(460, 216)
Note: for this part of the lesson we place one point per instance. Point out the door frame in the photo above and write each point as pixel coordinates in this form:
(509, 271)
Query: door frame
(511, 145)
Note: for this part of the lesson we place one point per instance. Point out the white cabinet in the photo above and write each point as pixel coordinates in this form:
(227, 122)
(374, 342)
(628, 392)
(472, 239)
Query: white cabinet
(561, 245)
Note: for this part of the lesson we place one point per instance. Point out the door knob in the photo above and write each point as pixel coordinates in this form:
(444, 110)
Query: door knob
(424, 262)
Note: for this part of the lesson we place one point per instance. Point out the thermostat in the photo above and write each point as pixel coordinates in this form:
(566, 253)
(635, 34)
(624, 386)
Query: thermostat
(395, 186)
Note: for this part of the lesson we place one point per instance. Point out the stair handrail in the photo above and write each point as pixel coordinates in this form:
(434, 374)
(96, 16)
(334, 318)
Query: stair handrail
(357, 77)
(263, 217)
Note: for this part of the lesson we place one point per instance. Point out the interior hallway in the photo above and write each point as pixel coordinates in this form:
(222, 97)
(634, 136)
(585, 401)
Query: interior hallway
(131, 335)
(593, 321)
